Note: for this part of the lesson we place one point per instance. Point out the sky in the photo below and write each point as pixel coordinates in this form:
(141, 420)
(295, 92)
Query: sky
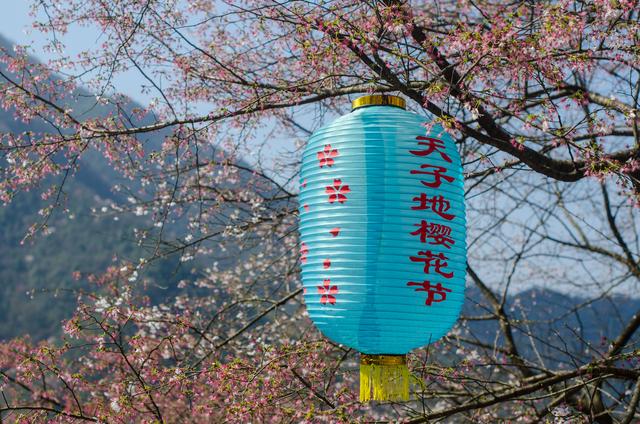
(15, 24)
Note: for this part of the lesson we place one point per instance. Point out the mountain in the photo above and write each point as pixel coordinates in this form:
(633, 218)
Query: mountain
(548, 323)
(36, 284)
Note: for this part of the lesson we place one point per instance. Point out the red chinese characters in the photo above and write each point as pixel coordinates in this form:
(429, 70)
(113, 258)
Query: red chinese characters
(437, 204)
(433, 145)
(438, 261)
(438, 175)
(434, 264)
(438, 233)
(432, 291)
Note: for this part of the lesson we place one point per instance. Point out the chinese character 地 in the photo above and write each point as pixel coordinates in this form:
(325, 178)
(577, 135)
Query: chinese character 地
(437, 204)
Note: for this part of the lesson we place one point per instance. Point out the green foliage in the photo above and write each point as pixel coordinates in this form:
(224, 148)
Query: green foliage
(37, 288)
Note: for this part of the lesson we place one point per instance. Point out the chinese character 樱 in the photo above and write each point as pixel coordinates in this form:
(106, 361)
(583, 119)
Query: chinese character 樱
(439, 234)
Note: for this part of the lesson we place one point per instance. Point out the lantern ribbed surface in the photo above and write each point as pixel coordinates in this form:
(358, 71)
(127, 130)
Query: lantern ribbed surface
(382, 230)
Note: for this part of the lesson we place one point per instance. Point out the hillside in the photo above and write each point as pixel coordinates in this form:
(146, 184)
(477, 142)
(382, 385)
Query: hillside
(558, 322)
(36, 278)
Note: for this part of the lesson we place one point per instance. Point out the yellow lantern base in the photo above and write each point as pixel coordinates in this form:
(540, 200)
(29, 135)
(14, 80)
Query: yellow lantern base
(384, 377)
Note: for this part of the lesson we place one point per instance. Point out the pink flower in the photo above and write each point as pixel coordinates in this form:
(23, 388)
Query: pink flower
(327, 291)
(517, 145)
(337, 191)
(325, 157)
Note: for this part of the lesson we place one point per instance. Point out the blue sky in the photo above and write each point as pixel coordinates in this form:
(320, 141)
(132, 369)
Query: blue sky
(15, 24)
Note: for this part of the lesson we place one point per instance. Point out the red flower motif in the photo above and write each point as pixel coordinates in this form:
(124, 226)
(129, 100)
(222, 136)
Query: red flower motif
(327, 291)
(337, 191)
(335, 231)
(325, 157)
(306, 208)
(304, 250)
(326, 263)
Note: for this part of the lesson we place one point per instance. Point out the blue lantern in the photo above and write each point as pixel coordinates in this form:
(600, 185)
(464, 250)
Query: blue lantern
(382, 237)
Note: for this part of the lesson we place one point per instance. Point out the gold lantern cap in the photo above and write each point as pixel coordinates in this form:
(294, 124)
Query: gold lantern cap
(378, 100)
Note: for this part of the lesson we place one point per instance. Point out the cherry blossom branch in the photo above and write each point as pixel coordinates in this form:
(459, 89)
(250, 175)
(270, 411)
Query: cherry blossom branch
(48, 410)
(532, 385)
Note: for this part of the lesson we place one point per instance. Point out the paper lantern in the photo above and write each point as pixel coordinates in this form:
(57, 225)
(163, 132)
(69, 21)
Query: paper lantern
(382, 237)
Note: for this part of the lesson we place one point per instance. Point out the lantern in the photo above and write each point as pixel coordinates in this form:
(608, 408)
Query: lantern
(382, 229)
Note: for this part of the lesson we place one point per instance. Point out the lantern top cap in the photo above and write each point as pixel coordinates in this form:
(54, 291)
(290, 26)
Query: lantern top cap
(383, 359)
(378, 100)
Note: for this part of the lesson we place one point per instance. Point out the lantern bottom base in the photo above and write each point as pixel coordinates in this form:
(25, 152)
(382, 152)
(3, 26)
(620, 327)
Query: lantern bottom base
(384, 377)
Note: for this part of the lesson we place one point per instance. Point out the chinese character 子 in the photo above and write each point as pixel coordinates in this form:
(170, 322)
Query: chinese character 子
(337, 191)
(438, 261)
(327, 292)
(437, 204)
(325, 157)
(433, 145)
(439, 233)
(438, 174)
(432, 291)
